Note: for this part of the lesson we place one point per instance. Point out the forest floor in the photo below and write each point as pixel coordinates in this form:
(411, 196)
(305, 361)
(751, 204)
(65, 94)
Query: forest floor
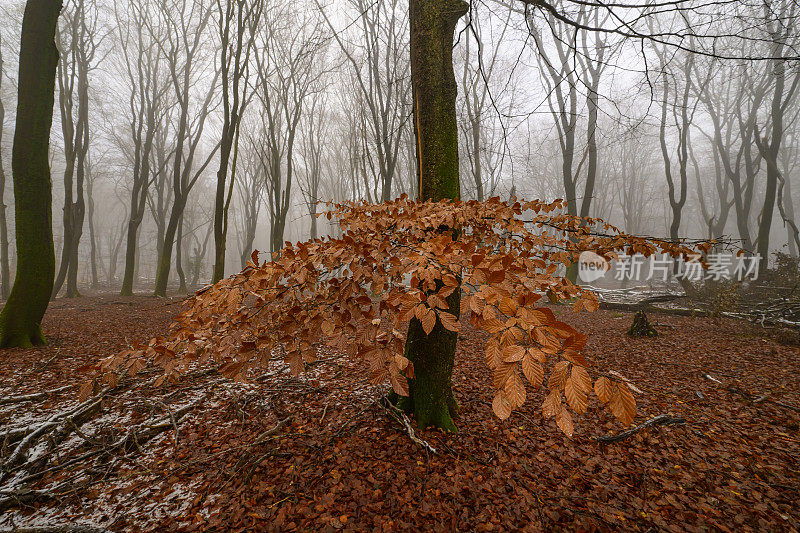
(320, 452)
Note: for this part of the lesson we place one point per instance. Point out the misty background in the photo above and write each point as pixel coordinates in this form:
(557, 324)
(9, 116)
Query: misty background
(671, 119)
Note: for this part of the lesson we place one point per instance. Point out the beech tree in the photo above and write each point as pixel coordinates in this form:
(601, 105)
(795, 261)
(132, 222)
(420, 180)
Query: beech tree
(187, 23)
(237, 22)
(140, 37)
(379, 74)
(78, 45)
(289, 70)
(21, 318)
(399, 262)
(5, 271)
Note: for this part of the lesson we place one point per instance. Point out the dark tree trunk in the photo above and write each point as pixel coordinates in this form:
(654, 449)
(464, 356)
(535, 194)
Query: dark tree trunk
(92, 234)
(21, 318)
(770, 153)
(164, 261)
(179, 260)
(433, 83)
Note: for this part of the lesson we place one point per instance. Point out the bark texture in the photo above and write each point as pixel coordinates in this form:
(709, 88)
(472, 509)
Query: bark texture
(21, 318)
(433, 84)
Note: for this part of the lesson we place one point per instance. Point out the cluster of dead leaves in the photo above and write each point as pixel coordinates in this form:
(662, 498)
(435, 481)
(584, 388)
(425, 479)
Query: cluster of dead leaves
(400, 261)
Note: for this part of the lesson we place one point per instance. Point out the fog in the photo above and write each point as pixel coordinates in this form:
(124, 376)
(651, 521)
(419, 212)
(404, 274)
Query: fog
(670, 119)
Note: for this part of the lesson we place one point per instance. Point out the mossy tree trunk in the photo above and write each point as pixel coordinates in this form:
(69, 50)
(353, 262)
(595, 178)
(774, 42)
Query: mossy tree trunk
(433, 82)
(21, 318)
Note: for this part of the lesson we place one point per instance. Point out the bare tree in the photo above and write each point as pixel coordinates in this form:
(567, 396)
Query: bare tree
(379, 66)
(78, 45)
(676, 105)
(782, 38)
(288, 73)
(577, 66)
(5, 271)
(187, 23)
(249, 189)
(315, 132)
(238, 21)
(484, 144)
(140, 38)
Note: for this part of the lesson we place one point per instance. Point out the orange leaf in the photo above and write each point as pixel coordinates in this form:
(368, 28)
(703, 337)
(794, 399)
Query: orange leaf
(559, 376)
(603, 389)
(327, 327)
(493, 354)
(501, 406)
(399, 383)
(537, 355)
(501, 374)
(552, 404)
(86, 390)
(581, 378)
(576, 397)
(449, 321)
(515, 390)
(428, 321)
(508, 307)
(564, 422)
(513, 353)
(623, 405)
(533, 371)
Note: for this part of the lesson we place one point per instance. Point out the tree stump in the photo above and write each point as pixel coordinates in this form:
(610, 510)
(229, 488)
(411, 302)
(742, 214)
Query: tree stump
(641, 326)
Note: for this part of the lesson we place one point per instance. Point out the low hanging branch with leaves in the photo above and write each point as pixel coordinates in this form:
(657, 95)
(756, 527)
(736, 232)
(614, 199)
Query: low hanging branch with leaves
(400, 260)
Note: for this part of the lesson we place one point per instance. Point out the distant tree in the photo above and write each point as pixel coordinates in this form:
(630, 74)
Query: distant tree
(314, 139)
(5, 270)
(187, 23)
(238, 22)
(21, 318)
(289, 68)
(140, 37)
(78, 45)
(379, 71)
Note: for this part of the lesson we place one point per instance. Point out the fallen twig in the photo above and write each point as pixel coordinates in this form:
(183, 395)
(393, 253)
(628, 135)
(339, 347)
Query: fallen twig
(401, 417)
(755, 398)
(57, 529)
(660, 420)
(51, 423)
(33, 397)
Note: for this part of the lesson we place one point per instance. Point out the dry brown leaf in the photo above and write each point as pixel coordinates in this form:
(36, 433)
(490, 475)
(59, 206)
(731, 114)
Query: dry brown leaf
(449, 321)
(603, 388)
(501, 406)
(558, 377)
(533, 371)
(513, 353)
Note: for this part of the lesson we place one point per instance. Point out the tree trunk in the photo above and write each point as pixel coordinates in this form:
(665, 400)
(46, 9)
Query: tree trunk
(182, 289)
(433, 82)
(92, 234)
(5, 270)
(21, 318)
(165, 259)
(771, 154)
